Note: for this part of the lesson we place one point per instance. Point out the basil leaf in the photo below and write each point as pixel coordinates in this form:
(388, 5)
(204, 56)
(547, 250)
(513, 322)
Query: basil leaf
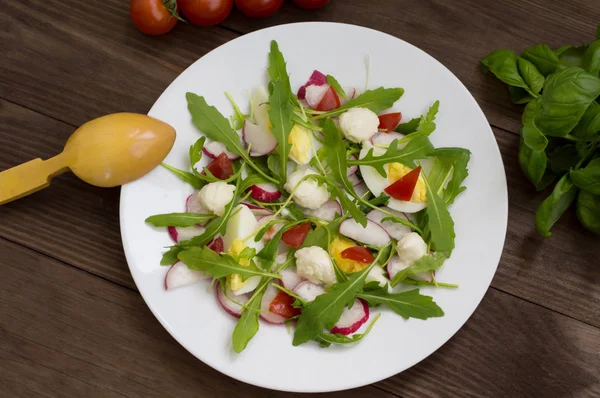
(533, 163)
(514, 71)
(588, 178)
(542, 57)
(418, 147)
(409, 304)
(326, 339)
(532, 77)
(441, 225)
(247, 326)
(563, 158)
(588, 210)
(178, 219)
(196, 151)
(408, 127)
(280, 115)
(519, 95)
(170, 256)
(277, 69)
(567, 94)
(598, 32)
(185, 176)
(591, 59)
(589, 125)
(571, 56)
(336, 86)
(426, 263)
(376, 100)
(555, 205)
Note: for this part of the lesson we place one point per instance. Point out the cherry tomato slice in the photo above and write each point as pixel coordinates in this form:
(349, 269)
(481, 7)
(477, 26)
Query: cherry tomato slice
(330, 101)
(221, 167)
(217, 245)
(405, 186)
(258, 8)
(310, 4)
(295, 236)
(358, 253)
(205, 12)
(389, 121)
(151, 16)
(282, 305)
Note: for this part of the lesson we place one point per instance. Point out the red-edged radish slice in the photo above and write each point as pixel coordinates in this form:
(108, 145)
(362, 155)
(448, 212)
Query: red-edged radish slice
(373, 234)
(352, 318)
(214, 148)
(328, 211)
(394, 229)
(180, 274)
(217, 245)
(257, 210)
(290, 279)
(352, 169)
(354, 179)
(265, 304)
(317, 78)
(308, 291)
(314, 94)
(396, 265)
(259, 138)
(231, 307)
(193, 204)
(179, 234)
(271, 231)
(264, 192)
(385, 139)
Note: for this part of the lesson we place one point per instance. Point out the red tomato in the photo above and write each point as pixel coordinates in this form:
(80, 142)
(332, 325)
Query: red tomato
(205, 12)
(258, 8)
(221, 167)
(389, 121)
(311, 4)
(152, 17)
(358, 253)
(295, 236)
(405, 186)
(217, 245)
(282, 305)
(330, 101)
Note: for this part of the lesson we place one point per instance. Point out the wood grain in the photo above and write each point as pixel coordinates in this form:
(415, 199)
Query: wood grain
(65, 332)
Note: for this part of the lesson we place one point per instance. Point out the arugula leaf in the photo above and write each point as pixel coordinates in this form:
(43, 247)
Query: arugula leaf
(178, 219)
(376, 100)
(542, 57)
(409, 127)
(455, 159)
(426, 123)
(218, 266)
(409, 304)
(426, 263)
(269, 251)
(252, 179)
(567, 94)
(591, 59)
(514, 71)
(589, 125)
(555, 205)
(196, 151)
(280, 115)
(277, 68)
(326, 339)
(170, 256)
(247, 326)
(238, 118)
(588, 178)
(441, 225)
(588, 210)
(323, 235)
(336, 86)
(185, 176)
(418, 147)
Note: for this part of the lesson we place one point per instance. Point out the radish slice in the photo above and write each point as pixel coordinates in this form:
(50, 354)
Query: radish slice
(352, 318)
(317, 78)
(217, 245)
(361, 189)
(373, 234)
(308, 291)
(394, 229)
(214, 148)
(351, 93)
(265, 304)
(396, 265)
(352, 169)
(314, 94)
(180, 274)
(290, 279)
(193, 205)
(264, 192)
(385, 139)
(328, 211)
(354, 179)
(257, 210)
(179, 234)
(271, 231)
(232, 308)
(259, 138)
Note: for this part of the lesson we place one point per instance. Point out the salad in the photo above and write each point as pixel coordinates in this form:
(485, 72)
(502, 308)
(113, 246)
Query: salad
(313, 209)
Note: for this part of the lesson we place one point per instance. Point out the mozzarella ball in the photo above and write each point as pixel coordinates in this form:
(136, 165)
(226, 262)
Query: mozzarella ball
(313, 263)
(359, 124)
(309, 194)
(411, 248)
(215, 196)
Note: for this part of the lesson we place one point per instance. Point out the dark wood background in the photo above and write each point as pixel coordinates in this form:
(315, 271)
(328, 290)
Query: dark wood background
(71, 320)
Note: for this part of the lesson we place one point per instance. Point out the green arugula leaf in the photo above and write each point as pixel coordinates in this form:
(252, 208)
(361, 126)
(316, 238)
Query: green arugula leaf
(441, 225)
(336, 86)
(376, 100)
(170, 256)
(456, 159)
(588, 178)
(542, 57)
(185, 176)
(178, 219)
(588, 210)
(323, 235)
(252, 179)
(280, 115)
(326, 339)
(409, 304)
(196, 151)
(218, 266)
(247, 326)
(426, 263)
(269, 251)
(426, 123)
(238, 118)
(554, 206)
(409, 127)
(418, 147)
(277, 68)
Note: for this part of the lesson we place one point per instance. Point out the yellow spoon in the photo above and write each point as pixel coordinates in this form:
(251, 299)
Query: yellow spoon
(109, 151)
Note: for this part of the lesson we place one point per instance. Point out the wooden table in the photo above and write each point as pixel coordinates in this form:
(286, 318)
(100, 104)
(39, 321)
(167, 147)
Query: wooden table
(71, 320)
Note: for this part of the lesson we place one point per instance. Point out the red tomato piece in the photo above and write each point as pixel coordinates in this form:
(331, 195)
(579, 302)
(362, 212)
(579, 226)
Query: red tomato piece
(358, 253)
(282, 305)
(389, 121)
(217, 245)
(258, 8)
(295, 236)
(310, 4)
(330, 101)
(205, 12)
(221, 167)
(405, 186)
(152, 16)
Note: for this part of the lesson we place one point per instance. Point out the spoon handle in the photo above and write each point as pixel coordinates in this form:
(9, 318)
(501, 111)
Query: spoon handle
(30, 177)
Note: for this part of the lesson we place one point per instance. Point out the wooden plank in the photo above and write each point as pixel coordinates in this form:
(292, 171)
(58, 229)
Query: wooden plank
(67, 333)
(76, 60)
(458, 35)
(79, 224)
(84, 335)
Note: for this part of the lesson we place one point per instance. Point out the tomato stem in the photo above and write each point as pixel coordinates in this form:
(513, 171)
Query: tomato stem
(171, 6)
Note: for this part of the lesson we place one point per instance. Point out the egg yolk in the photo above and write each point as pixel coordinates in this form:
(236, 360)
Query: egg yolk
(234, 281)
(301, 144)
(347, 265)
(397, 171)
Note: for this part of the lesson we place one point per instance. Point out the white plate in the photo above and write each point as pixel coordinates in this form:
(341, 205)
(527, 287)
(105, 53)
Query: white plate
(193, 316)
